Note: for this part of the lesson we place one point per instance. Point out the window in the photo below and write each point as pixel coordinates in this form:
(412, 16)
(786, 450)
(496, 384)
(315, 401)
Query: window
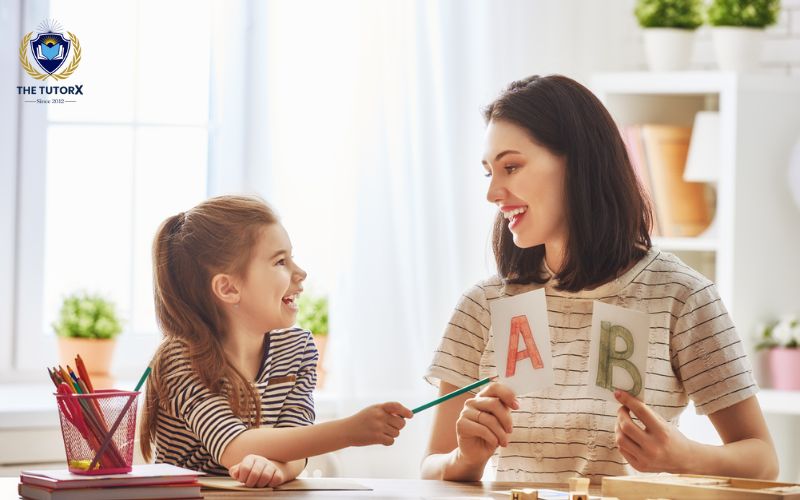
(99, 175)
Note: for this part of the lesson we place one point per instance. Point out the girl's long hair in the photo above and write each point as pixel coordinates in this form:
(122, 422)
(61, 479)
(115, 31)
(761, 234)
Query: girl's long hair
(216, 236)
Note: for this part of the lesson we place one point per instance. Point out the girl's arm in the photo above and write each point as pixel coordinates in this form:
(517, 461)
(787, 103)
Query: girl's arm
(377, 424)
(659, 446)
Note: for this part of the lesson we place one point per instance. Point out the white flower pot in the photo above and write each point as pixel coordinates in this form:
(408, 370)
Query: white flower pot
(737, 48)
(668, 49)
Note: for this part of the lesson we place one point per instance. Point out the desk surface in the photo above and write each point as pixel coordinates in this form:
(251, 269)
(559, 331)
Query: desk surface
(394, 489)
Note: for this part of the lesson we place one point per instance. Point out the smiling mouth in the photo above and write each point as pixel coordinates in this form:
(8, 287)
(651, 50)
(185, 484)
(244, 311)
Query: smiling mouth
(291, 300)
(514, 216)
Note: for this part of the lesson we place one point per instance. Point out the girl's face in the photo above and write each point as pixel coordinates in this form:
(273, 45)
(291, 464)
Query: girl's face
(527, 185)
(272, 282)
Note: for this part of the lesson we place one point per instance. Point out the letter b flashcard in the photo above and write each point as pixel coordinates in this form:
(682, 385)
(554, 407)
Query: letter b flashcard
(618, 357)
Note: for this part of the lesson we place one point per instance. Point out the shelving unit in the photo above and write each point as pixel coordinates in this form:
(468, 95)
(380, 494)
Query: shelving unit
(754, 253)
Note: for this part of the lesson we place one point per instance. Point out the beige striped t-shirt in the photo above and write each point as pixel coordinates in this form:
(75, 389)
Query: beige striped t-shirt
(562, 431)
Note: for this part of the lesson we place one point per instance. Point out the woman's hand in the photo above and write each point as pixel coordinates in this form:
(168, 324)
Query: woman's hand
(658, 447)
(376, 424)
(485, 423)
(257, 472)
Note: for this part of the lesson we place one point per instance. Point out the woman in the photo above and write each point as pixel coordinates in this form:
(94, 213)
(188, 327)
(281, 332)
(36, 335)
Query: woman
(573, 220)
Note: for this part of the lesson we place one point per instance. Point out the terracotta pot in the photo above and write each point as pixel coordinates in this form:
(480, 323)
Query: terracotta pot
(95, 353)
(321, 342)
(784, 367)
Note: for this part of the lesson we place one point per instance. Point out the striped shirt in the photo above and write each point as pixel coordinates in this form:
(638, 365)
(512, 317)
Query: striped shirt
(559, 432)
(195, 425)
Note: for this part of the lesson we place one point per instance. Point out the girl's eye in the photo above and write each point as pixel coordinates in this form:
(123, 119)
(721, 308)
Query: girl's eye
(511, 169)
(281, 262)
(487, 174)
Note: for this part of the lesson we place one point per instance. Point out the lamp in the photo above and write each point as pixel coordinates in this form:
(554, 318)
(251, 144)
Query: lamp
(702, 162)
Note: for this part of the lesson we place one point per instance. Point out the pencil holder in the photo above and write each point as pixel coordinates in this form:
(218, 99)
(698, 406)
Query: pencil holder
(98, 430)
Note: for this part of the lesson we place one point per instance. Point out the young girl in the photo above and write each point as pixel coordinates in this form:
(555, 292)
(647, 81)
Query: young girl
(231, 386)
(573, 220)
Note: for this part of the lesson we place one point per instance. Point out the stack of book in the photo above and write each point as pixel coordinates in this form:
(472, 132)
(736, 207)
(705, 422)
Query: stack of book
(145, 481)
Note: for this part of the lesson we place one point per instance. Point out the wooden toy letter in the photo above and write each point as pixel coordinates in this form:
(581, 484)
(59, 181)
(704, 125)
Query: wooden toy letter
(609, 357)
(519, 324)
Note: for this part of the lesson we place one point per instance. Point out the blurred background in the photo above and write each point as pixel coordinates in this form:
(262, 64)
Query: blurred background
(360, 122)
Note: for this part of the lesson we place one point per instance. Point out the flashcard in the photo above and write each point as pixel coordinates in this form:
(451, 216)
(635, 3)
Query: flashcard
(618, 351)
(522, 341)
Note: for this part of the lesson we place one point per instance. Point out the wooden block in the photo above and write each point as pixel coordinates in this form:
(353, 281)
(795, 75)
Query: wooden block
(524, 494)
(579, 484)
(578, 496)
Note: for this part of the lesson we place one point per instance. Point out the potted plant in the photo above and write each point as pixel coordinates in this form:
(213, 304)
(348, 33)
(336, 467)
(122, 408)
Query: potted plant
(738, 30)
(782, 338)
(669, 27)
(88, 325)
(312, 315)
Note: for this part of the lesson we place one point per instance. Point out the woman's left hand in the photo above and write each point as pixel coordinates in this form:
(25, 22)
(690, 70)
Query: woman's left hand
(658, 447)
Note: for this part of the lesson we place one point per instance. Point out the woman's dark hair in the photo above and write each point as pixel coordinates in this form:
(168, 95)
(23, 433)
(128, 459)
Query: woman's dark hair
(608, 213)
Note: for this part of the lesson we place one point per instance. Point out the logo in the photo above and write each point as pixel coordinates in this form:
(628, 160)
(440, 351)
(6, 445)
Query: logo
(50, 50)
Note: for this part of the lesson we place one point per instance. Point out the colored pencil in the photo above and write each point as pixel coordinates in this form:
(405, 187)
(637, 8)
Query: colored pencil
(84, 373)
(452, 395)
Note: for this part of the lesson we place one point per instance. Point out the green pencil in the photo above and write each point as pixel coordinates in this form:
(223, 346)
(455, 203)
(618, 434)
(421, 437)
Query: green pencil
(451, 395)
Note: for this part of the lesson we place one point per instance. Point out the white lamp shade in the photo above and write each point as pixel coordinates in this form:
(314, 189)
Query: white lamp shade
(702, 162)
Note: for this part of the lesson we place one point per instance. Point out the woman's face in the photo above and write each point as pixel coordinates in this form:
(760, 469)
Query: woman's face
(527, 185)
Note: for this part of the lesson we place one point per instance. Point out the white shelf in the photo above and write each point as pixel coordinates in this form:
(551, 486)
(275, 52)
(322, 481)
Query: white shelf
(686, 244)
(779, 402)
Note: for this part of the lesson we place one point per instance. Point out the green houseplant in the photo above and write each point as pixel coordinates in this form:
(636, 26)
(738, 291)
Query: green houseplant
(88, 325)
(312, 315)
(669, 27)
(738, 30)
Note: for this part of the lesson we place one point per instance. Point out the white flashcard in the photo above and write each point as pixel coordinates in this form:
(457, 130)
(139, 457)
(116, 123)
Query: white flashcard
(522, 342)
(618, 351)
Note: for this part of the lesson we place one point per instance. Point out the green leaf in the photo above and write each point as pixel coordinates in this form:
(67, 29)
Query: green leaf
(85, 315)
(744, 13)
(683, 14)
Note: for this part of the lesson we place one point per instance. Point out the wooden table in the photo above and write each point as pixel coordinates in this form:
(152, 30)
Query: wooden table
(394, 489)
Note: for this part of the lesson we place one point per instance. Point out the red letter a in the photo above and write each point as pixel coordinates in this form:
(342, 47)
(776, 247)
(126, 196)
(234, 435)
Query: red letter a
(519, 324)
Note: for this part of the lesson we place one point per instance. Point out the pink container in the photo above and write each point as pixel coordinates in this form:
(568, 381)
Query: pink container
(87, 421)
(784, 367)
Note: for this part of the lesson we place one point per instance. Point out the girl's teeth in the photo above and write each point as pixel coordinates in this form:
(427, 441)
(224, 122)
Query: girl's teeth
(514, 212)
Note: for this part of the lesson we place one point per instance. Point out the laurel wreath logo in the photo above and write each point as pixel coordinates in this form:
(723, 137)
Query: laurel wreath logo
(28, 67)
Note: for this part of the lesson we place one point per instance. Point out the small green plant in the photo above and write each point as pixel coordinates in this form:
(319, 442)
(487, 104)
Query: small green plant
(313, 314)
(89, 316)
(784, 332)
(747, 13)
(683, 14)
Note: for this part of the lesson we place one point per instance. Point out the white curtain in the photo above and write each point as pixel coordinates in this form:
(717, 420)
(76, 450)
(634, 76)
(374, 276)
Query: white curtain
(361, 122)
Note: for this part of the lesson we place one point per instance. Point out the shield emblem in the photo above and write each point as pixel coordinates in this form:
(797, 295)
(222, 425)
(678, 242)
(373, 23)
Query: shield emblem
(50, 50)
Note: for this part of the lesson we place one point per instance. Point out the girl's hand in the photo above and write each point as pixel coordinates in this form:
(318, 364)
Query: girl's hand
(485, 423)
(376, 424)
(257, 472)
(658, 447)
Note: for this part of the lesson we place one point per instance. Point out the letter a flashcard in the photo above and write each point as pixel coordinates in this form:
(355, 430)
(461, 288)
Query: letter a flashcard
(618, 351)
(522, 342)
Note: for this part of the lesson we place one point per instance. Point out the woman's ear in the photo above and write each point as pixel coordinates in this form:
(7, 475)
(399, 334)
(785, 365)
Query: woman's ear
(225, 289)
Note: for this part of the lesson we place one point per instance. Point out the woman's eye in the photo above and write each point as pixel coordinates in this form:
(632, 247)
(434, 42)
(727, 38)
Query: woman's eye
(487, 174)
(511, 169)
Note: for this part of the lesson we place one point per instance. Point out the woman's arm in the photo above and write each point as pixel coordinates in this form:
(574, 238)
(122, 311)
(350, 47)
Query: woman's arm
(747, 451)
(377, 424)
(466, 431)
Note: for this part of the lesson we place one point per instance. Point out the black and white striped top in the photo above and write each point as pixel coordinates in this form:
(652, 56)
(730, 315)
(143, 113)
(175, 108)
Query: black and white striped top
(562, 431)
(195, 425)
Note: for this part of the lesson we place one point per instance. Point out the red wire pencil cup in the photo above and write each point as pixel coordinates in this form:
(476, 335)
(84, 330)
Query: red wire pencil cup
(98, 430)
